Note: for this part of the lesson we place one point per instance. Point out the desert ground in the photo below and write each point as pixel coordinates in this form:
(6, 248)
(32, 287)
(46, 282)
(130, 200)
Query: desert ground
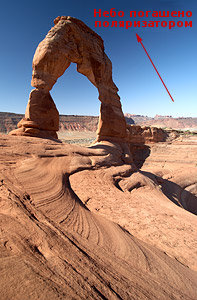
(79, 223)
(82, 138)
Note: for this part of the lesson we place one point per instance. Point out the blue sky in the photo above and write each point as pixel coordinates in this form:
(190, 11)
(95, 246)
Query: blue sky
(24, 24)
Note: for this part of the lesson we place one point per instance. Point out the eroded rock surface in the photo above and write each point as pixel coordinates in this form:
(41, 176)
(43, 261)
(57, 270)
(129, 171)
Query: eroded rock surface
(57, 240)
(70, 40)
(145, 134)
(41, 117)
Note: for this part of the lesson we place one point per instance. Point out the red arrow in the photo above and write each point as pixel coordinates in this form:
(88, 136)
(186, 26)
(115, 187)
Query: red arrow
(140, 41)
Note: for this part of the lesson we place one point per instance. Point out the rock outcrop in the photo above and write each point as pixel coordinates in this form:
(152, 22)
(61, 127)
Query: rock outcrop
(70, 40)
(145, 134)
(41, 116)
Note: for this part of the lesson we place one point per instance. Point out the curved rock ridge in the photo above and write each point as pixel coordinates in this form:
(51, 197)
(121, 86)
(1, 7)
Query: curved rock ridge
(70, 40)
(54, 247)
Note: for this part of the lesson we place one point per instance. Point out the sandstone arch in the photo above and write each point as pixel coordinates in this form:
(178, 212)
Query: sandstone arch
(70, 40)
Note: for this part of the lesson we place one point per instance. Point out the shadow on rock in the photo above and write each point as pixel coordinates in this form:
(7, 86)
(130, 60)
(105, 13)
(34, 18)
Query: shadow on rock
(175, 193)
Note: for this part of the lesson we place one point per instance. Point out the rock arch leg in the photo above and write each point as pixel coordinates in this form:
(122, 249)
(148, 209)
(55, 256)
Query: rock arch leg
(70, 40)
(41, 116)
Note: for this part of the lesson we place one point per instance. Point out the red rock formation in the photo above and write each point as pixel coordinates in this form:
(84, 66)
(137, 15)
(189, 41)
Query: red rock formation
(70, 40)
(41, 117)
(145, 134)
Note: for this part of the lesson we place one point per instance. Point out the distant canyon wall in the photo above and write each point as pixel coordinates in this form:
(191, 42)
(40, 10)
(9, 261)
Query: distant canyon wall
(8, 122)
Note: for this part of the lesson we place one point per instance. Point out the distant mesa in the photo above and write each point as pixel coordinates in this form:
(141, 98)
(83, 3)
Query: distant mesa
(70, 40)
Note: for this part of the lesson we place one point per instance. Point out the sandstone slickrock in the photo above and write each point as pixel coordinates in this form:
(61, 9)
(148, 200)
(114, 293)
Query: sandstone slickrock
(157, 203)
(56, 237)
(70, 40)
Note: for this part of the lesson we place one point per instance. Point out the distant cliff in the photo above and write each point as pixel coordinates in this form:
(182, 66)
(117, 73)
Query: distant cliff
(78, 123)
(165, 121)
(8, 122)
